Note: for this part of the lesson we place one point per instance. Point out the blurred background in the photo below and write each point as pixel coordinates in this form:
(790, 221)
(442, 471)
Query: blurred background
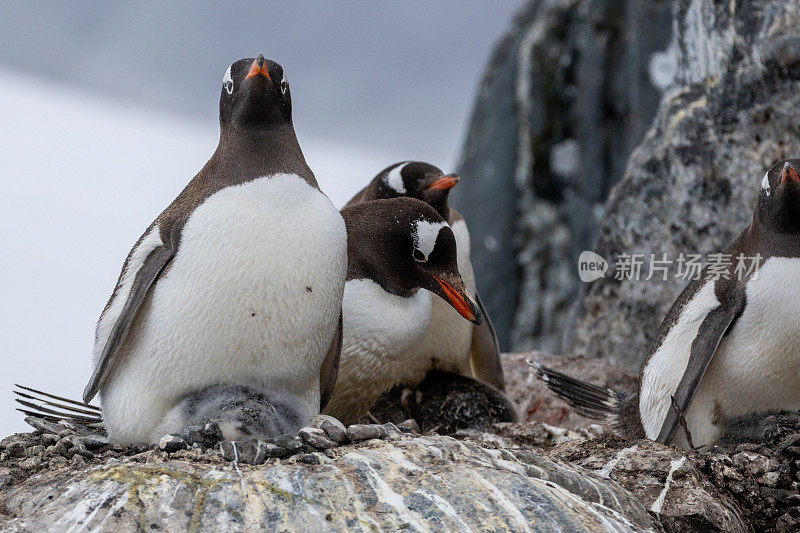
(108, 109)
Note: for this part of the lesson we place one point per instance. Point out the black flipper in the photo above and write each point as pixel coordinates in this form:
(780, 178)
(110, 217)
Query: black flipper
(330, 367)
(146, 276)
(484, 352)
(715, 326)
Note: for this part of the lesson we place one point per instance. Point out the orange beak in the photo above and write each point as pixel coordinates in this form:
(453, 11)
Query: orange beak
(789, 173)
(256, 69)
(447, 181)
(461, 302)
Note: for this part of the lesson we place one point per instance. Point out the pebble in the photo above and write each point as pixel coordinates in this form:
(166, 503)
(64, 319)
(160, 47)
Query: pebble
(15, 449)
(171, 443)
(94, 442)
(30, 462)
(359, 432)
(250, 451)
(331, 426)
(49, 438)
(288, 442)
(317, 438)
(207, 435)
(310, 459)
(409, 426)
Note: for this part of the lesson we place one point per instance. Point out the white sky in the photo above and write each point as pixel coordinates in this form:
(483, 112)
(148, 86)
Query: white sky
(82, 177)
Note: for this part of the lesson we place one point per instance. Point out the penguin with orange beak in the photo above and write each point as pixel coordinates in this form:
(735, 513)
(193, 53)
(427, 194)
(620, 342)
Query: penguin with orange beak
(728, 347)
(401, 257)
(449, 344)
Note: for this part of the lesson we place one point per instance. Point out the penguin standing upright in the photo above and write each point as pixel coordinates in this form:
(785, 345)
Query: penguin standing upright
(728, 346)
(238, 282)
(450, 343)
(395, 248)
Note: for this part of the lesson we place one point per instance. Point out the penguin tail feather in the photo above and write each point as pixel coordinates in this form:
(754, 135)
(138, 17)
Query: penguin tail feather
(54, 408)
(591, 401)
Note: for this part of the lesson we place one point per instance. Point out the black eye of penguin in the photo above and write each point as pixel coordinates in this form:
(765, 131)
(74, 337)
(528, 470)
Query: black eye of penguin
(284, 87)
(418, 255)
(229, 86)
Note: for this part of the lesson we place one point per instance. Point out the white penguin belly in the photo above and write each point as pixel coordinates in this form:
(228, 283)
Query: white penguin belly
(757, 365)
(446, 342)
(754, 369)
(252, 297)
(379, 331)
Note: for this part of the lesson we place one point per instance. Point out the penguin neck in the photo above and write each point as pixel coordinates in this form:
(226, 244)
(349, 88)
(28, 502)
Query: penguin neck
(263, 152)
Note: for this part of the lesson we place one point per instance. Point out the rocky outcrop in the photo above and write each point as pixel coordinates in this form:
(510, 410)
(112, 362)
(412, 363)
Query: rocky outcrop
(511, 477)
(419, 484)
(690, 186)
(568, 93)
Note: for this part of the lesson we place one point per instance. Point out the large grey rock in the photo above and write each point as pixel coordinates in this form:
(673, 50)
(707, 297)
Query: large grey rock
(568, 93)
(418, 484)
(732, 110)
(665, 480)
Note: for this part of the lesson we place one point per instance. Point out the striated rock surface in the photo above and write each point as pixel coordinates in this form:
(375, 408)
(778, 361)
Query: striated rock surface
(690, 186)
(569, 92)
(518, 476)
(418, 484)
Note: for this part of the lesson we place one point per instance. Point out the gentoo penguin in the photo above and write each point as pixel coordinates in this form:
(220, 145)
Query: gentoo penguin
(238, 281)
(728, 346)
(395, 248)
(450, 343)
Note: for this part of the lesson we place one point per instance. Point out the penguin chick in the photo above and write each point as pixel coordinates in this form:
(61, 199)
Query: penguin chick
(449, 343)
(242, 413)
(728, 347)
(448, 402)
(238, 281)
(400, 254)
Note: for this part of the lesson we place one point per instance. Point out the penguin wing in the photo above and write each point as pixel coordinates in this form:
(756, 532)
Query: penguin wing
(484, 353)
(715, 326)
(330, 367)
(143, 278)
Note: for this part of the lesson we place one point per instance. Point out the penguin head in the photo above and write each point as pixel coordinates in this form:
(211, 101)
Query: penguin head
(255, 96)
(419, 180)
(778, 207)
(404, 245)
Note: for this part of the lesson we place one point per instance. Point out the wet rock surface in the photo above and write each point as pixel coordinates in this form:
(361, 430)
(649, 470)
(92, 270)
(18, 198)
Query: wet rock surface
(516, 475)
(400, 481)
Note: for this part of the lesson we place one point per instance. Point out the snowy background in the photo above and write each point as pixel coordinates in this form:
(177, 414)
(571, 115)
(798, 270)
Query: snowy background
(108, 109)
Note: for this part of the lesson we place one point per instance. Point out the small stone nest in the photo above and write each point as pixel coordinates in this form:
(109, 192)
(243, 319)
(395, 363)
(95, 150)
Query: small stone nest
(59, 444)
(758, 464)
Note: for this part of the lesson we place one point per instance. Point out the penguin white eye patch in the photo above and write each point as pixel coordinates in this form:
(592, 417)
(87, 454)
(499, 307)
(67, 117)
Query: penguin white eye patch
(425, 234)
(284, 83)
(227, 80)
(765, 183)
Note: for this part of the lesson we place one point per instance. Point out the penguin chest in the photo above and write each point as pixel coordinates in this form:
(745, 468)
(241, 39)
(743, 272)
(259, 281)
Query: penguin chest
(446, 342)
(379, 332)
(757, 365)
(754, 369)
(252, 296)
